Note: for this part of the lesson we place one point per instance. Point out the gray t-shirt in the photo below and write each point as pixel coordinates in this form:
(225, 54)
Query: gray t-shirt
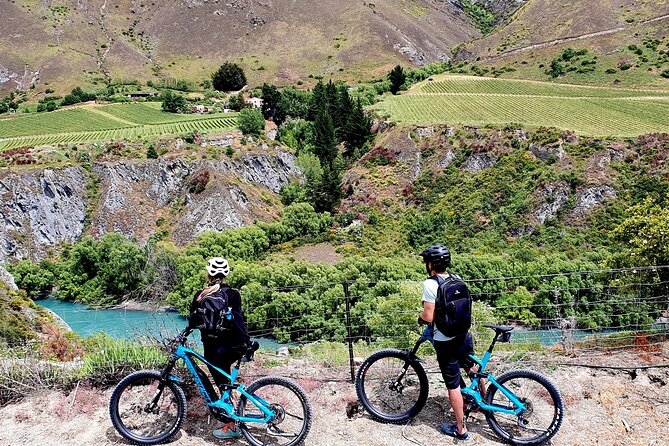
(430, 287)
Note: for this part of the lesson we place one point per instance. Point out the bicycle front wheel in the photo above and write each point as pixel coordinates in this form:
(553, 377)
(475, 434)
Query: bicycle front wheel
(146, 410)
(544, 411)
(292, 412)
(392, 387)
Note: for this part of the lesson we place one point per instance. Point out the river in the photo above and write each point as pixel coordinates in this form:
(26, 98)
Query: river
(124, 324)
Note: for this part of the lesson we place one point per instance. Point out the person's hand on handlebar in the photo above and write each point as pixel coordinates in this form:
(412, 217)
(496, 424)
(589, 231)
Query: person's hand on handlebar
(422, 322)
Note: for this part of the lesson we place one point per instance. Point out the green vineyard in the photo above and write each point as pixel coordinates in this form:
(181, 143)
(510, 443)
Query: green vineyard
(594, 111)
(105, 123)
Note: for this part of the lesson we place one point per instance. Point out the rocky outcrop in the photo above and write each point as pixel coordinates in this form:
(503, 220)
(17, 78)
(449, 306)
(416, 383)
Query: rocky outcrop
(553, 197)
(590, 197)
(479, 162)
(41, 209)
(7, 279)
(547, 153)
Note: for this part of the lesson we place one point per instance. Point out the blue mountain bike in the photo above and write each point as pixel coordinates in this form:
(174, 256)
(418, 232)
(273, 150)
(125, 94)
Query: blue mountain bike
(149, 406)
(522, 407)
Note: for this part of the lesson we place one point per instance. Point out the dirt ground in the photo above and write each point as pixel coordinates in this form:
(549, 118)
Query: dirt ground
(603, 407)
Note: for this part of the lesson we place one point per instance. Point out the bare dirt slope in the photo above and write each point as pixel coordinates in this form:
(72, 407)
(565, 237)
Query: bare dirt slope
(603, 407)
(74, 42)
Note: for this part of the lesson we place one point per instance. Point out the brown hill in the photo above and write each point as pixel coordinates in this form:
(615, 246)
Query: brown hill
(78, 42)
(541, 29)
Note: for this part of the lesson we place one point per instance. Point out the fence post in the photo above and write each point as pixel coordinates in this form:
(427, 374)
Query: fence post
(349, 339)
(565, 324)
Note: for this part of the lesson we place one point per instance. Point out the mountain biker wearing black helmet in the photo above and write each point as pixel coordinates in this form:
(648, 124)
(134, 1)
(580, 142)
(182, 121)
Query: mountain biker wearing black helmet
(223, 351)
(452, 352)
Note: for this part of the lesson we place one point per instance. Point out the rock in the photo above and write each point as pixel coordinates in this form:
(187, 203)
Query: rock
(40, 209)
(547, 153)
(283, 351)
(479, 162)
(446, 159)
(590, 197)
(553, 197)
(424, 132)
(223, 141)
(7, 279)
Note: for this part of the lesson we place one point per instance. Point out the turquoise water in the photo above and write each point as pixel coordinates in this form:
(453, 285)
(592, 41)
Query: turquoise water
(125, 324)
(548, 338)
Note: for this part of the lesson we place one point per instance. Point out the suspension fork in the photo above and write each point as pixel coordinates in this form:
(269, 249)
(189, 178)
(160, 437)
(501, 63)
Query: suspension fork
(411, 359)
(164, 376)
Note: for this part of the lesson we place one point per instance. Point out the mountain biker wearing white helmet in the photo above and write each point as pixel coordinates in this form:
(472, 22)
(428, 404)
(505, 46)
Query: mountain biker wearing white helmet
(223, 351)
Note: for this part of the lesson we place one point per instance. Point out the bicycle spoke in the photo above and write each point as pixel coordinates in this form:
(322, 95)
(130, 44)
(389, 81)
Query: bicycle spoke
(540, 418)
(146, 410)
(291, 420)
(385, 391)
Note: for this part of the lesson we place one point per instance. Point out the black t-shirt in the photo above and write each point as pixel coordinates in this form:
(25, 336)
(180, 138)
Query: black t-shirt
(238, 335)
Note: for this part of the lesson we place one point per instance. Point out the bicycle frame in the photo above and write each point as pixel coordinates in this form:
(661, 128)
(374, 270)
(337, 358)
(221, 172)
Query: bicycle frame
(472, 389)
(224, 402)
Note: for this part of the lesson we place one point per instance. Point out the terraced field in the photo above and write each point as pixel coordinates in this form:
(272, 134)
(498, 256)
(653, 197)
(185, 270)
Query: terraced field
(92, 123)
(595, 111)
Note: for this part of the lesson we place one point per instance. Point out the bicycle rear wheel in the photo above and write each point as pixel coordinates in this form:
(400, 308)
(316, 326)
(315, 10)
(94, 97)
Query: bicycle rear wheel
(290, 404)
(392, 387)
(146, 410)
(544, 413)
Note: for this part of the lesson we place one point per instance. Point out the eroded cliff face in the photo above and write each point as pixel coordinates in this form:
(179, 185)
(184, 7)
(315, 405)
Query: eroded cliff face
(41, 209)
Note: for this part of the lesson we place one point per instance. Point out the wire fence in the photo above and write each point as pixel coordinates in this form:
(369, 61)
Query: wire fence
(560, 317)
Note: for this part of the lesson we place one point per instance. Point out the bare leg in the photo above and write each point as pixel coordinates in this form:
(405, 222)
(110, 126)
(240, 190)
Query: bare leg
(455, 397)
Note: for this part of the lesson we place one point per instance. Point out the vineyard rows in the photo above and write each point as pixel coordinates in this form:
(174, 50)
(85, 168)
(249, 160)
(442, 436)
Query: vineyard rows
(117, 134)
(482, 85)
(483, 101)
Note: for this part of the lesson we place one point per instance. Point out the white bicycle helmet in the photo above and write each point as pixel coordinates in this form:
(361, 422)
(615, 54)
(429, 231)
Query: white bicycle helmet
(218, 266)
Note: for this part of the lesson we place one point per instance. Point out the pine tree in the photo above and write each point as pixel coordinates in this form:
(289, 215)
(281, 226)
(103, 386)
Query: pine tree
(325, 140)
(342, 111)
(271, 97)
(397, 79)
(318, 100)
(357, 130)
(328, 191)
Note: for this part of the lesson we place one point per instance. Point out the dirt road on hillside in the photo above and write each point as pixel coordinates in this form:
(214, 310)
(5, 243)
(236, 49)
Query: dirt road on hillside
(603, 407)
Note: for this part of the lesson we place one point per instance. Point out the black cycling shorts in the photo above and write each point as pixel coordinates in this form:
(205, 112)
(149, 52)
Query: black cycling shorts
(223, 357)
(452, 355)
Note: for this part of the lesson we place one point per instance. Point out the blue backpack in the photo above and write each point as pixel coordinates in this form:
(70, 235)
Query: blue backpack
(453, 306)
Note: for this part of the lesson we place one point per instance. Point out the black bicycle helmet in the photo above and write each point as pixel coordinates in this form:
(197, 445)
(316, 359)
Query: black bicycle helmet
(439, 256)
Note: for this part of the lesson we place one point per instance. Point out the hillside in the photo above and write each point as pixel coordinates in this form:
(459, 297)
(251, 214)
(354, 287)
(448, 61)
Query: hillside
(483, 190)
(542, 29)
(66, 43)
(180, 195)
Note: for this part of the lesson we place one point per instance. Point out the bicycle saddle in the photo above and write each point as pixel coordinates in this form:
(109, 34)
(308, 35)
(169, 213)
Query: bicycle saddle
(500, 328)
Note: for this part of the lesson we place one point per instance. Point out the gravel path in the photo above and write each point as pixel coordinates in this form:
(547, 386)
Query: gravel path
(603, 407)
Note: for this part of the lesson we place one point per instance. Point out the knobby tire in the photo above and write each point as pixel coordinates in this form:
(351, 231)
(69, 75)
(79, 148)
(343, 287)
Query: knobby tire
(383, 410)
(122, 418)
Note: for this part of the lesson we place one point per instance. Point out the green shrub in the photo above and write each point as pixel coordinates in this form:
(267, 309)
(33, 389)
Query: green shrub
(251, 121)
